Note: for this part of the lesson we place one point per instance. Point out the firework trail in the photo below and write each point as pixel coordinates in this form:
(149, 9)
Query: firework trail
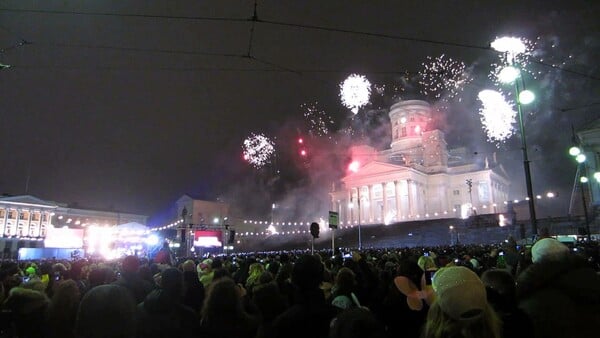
(443, 77)
(318, 121)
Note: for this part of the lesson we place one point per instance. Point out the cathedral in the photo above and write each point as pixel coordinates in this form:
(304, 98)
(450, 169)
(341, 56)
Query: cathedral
(417, 177)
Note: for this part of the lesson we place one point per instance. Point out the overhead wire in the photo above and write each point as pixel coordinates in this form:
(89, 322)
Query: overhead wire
(254, 19)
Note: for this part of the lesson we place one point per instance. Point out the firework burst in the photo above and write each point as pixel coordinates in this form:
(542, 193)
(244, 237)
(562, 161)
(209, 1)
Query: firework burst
(319, 123)
(513, 52)
(497, 115)
(443, 77)
(355, 92)
(258, 149)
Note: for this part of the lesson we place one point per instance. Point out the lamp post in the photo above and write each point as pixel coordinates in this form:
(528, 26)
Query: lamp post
(359, 232)
(583, 180)
(351, 207)
(511, 74)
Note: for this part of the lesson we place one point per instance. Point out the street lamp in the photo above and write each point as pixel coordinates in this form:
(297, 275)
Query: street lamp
(512, 47)
(577, 153)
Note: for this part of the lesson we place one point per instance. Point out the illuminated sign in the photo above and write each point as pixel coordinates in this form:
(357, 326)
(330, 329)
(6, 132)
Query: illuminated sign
(208, 239)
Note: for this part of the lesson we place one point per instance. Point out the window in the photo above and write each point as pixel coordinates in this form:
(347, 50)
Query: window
(456, 192)
(33, 231)
(44, 217)
(2, 213)
(8, 230)
(12, 214)
(20, 230)
(42, 230)
(35, 217)
(403, 131)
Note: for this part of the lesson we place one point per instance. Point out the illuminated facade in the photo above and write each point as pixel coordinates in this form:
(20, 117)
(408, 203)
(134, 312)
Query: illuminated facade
(25, 217)
(26, 220)
(417, 177)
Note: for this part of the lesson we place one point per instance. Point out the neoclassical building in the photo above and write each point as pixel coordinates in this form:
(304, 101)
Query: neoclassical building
(25, 220)
(417, 177)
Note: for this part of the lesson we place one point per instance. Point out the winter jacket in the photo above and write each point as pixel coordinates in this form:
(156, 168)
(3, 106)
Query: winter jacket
(562, 297)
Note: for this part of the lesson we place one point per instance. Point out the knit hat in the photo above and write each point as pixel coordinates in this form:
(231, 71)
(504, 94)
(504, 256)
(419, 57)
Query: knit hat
(130, 264)
(460, 292)
(548, 248)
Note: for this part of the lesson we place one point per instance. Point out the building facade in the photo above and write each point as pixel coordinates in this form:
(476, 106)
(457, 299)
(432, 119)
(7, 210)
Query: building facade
(25, 220)
(417, 177)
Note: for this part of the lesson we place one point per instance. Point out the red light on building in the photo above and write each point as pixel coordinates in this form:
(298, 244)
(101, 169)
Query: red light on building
(300, 141)
(353, 167)
(303, 152)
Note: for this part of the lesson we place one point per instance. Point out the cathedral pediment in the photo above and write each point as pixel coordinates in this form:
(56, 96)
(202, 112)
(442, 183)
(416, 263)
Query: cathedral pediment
(374, 169)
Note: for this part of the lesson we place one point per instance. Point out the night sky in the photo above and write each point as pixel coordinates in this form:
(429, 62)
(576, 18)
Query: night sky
(129, 104)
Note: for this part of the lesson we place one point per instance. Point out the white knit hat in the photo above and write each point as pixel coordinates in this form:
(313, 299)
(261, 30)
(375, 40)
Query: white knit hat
(460, 292)
(548, 248)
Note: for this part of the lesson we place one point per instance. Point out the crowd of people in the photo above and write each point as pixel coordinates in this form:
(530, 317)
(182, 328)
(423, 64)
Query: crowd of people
(544, 290)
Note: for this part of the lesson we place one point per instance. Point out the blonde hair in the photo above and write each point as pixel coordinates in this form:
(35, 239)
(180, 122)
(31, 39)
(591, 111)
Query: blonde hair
(440, 325)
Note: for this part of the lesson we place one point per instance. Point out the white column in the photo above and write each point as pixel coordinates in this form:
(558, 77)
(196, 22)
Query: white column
(5, 220)
(371, 204)
(384, 194)
(27, 229)
(398, 201)
(347, 208)
(411, 203)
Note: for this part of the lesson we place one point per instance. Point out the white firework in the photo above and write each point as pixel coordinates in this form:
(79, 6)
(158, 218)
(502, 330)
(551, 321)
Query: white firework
(355, 92)
(443, 76)
(258, 149)
(497, 115)
(513, 52)
(319, 123)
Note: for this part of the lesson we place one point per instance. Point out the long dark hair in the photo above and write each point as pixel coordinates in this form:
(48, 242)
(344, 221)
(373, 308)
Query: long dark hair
(223, 304)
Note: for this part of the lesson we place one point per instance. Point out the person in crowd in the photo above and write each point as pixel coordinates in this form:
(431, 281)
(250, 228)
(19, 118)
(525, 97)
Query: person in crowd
(223, 312)
(269, 302)
(406, 304)
(100, 275)
(501, 294)
(559, 292)
(273, 267)
(130, 280)
(145, 273)
(357, 323)
(106, 311)
(460, 308)
(343, 296)
(28, 304)
(205, 272)
(193, 290)
(283, 278)
(62, 310)
(162, 313)
(256, 270)
(310, 314)
(164, 255)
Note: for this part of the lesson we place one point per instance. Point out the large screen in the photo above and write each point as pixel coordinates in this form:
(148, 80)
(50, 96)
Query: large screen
(63, 238)
(208, 238)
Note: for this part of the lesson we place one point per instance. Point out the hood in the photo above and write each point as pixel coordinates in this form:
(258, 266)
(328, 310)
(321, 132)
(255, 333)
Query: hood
(160, 301)
(23, 301)
(570, 275)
